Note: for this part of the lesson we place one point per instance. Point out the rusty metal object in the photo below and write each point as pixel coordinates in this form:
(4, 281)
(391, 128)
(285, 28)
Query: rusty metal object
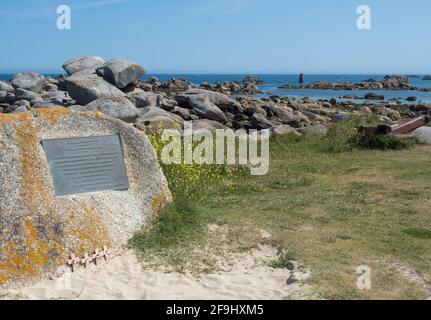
(395, 130)
(409, 126)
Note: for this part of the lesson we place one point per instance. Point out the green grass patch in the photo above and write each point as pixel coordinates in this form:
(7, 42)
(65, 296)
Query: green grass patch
(419, 233)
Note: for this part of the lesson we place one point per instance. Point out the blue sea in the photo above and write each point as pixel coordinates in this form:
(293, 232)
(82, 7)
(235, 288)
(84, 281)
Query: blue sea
(273, 81)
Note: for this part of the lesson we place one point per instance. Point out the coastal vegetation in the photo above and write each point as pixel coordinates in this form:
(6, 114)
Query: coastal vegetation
(328, 202)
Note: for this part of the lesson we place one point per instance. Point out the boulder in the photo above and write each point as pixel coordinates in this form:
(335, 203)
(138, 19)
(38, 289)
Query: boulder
(285, 129)
(374, 96)
(316, 129)
(221, 100)
(207, 124)
(39, 230)
(29, 81)
(84, 87)
(155, 119)
(423, 135)
(145, 99)
(202, 106)
(116, 107)
(258, 121)
(4, 86)
(22, 94)
(81, 63)
(120, 72)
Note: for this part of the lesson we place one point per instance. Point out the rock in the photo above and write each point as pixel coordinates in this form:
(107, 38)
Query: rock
(120, 72)
(252, 80)
(333, 102)
(20, 103)
(202, 107)
(412, 98)
(259, 122)
(423, 135)
(291, 280)
(316, 129)
(19, 109)
(285, 129)
(222, 101)
(155, 119)
(207, 124)
(22, 94)
(4, 86)
(145, 99)
(40, 230)
(29, 81)
(81, 63)
(116, 107)
(374, 96)
(426, 78)
(85, 87)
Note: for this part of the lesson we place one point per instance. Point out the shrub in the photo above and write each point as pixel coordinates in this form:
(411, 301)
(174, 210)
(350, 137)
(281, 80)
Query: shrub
(345, 136)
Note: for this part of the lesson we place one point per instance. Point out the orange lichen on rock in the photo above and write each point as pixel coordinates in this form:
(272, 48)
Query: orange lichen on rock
(51, 114)
(27, 259)
(159, 201)
(88, 230)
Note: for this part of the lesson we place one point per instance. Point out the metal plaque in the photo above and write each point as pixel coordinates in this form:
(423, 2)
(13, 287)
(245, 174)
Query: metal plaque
(86, 164)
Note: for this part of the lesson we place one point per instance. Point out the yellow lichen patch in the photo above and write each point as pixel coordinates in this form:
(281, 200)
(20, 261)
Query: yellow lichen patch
(159, 201)
(51, 114)
(88, 231)
(28, 258)
(14, 117)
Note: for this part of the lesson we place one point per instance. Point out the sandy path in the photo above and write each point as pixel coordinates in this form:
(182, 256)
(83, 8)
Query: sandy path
(123, 277)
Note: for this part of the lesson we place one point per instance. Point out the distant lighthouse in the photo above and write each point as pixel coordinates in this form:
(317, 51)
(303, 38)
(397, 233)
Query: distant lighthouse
(301, 78)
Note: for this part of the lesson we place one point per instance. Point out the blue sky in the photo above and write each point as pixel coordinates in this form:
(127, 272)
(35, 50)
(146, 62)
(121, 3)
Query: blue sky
(221, 36)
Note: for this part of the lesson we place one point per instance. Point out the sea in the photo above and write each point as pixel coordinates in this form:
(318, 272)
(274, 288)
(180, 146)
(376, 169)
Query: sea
(274, 81)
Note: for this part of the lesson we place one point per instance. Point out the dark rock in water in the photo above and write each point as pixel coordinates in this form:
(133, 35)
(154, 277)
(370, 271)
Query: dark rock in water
(333, 101)
(427, 78)
(81, 63)
(374, 96)
(116, 107)
(411, 98)
(120, 72)
(29, 81)
(252, 80)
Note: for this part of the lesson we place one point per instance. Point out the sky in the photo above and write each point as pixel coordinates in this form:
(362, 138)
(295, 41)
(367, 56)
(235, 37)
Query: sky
(221, 36)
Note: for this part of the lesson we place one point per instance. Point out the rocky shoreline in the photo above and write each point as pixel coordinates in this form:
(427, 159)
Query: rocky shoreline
(112, 88)
(394, 82)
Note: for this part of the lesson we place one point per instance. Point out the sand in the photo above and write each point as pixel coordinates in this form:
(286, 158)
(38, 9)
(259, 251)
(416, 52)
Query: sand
(124, 277)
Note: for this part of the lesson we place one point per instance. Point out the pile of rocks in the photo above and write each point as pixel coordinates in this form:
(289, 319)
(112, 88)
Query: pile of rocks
(389, 83)
(113, 88)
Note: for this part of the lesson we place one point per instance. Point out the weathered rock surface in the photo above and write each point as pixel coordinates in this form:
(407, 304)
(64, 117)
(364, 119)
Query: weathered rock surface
(154, 119)
(38, 230)
(4, 86)
(120, 72)
(116, 107)
(423, 135)
(202, 106)
(81, 63)
(85, 86)
(29, 81)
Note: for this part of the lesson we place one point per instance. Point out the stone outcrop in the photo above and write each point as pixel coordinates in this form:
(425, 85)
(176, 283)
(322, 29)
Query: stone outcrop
(29, 81)
(81, 63)
(38, 230)
(120, 72)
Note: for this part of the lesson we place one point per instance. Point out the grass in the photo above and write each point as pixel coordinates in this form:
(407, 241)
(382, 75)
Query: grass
(333, 210)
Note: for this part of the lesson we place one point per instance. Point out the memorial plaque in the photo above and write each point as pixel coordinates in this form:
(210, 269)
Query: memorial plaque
(86, 164)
